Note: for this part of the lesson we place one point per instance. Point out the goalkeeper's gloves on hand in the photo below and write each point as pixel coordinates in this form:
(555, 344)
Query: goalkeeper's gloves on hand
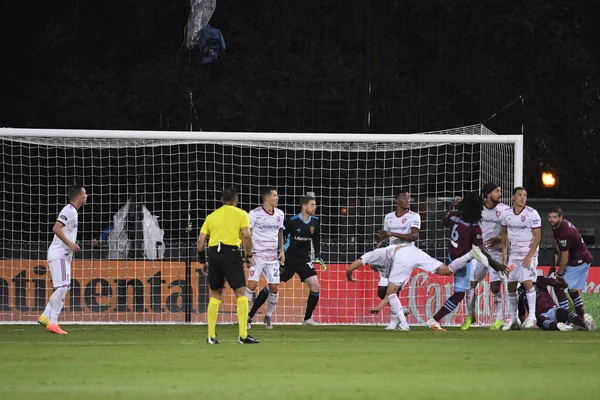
(320, 261)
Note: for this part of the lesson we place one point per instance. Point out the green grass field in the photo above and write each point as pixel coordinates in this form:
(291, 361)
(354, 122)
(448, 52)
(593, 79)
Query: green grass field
(296, 362)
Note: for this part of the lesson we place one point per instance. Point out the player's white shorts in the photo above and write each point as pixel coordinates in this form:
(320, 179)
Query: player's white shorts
(520, 273)
(270, 269)
(60, 270)
(408, 258)
(480, 271)
(383, 281)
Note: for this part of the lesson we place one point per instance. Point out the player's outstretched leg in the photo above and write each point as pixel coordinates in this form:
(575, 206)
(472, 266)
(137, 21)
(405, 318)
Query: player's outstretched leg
(449, 305)
(260, 300)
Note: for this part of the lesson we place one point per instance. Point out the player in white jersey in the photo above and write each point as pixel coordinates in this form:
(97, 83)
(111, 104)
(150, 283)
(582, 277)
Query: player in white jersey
(266, 224)
(400, 226)
(521, 226)
(60, 255)
(491, 228)
(396, 262)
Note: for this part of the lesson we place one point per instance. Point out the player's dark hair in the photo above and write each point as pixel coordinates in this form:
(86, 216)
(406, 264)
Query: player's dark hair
(399, 192)
(265, 191)
(471, 207)
(73, 191)
(556, 209)
(228, 195)
(515, 190)
(306, 199)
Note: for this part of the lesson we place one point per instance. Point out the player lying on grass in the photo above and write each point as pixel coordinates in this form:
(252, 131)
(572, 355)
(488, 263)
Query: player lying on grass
(396, 263)
(550, 317)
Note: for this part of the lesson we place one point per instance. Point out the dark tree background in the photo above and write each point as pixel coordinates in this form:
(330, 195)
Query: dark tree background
(299, 66)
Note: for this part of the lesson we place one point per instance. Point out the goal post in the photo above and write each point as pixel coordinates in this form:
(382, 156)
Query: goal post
(156, 188)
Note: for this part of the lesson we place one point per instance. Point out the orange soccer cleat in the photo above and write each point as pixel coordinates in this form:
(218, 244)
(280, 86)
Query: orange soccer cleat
(54, 328)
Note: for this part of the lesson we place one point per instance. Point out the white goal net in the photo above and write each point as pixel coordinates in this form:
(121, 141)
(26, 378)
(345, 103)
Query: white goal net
(155, 188)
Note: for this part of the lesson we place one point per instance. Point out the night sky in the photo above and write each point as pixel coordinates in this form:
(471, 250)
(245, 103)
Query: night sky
(301, 67)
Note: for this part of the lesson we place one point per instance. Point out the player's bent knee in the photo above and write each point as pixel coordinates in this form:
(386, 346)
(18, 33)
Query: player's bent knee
(274, 289)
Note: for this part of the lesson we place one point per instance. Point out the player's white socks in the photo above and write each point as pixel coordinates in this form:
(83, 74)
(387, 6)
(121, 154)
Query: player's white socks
(271, 303)
(249, 294)
(498, 306)
(471, 299)
(397, 308)
(513, 306)
(57, 302)
(531, 300)
(460, 262)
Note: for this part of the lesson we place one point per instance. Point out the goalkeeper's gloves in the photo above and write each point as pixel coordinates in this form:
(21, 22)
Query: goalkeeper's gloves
(320, 261)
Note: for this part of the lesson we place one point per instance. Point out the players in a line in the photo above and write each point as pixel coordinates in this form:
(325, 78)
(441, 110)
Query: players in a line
(400, 226)
(60, 255)
(491, 229)
(396, 263)
(463, 219)
(266, 225)
(300, 231)
(521, 226)
(549, 316)
(574, 258)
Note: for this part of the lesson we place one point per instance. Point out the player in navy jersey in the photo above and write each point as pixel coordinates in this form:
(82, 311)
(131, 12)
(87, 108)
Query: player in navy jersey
(574, 259)
(465, 233)
(300, 231)
(549, 316)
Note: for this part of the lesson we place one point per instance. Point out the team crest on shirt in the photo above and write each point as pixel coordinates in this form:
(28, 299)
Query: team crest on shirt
(498, 213)
(312, 229)
(278, 218)
(523, 218)
(251, 272)
(403, 220)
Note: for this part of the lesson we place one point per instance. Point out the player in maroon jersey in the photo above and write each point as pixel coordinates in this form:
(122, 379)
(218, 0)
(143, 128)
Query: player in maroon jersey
(574, 259)
(549, 316)
(465, 233)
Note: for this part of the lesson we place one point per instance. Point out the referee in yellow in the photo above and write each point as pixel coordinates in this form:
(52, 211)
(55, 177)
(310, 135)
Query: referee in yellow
(227, 228)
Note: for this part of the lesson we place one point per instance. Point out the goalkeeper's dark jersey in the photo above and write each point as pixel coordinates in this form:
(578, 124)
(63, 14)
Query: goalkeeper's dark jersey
(298, 234)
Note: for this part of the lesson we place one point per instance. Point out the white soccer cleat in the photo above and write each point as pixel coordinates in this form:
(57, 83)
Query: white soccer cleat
(564, 327)
(403, 327)
(529, 323)
(393, 323)
(479, 256)
(513, 325)
(309, 321)
(589, 322)
(434, 325)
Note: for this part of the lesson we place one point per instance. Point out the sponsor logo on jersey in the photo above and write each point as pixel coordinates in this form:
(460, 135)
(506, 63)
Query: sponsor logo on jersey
(267, 226)
(302, 238)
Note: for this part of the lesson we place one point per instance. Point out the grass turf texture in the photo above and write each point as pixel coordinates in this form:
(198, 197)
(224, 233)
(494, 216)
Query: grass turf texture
(296, 362)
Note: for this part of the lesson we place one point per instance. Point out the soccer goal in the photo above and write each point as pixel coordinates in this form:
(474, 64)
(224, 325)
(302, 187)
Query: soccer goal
(149, 193)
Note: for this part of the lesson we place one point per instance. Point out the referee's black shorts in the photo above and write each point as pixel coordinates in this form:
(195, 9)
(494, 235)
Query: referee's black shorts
(225, 265)
(303, 267)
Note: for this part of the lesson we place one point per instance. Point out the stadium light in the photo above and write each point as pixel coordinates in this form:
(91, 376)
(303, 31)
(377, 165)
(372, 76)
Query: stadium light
(549, 179)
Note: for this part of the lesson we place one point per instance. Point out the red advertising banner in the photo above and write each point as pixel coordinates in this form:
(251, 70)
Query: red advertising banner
(106, 291)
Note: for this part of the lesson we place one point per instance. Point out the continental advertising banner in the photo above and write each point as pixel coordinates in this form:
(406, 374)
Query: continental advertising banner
(105, 291)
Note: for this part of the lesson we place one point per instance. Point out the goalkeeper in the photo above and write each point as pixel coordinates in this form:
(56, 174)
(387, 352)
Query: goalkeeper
(300, 230)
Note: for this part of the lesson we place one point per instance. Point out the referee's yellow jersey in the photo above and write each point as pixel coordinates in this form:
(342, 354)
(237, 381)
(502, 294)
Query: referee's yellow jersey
(225, 225)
